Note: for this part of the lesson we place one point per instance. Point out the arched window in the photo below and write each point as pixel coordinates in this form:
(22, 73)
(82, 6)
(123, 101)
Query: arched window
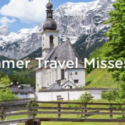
(49, 15)
(51, 42)
(62, 74)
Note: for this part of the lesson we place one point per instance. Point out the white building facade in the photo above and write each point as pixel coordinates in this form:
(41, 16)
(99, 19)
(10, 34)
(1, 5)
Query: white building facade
(53, 50)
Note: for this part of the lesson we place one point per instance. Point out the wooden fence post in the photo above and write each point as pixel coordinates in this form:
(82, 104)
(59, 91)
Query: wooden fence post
(59, 106)
(123, 113)
(111, 116)
(2, 112)
(30, 108)
(85, 111)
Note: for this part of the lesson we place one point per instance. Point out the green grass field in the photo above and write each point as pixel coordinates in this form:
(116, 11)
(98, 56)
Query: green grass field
(100, 78)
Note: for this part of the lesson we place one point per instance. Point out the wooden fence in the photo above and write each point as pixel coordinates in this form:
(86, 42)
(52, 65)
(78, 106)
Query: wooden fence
(65, 111)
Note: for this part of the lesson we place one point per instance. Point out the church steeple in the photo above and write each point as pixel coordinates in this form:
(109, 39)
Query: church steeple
(49, 34)
(50, 23)
(49, 5)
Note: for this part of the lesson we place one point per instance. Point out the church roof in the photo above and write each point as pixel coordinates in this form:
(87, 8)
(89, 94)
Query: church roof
(49, 5)
(50, 23)
(62, 52)
(54, 86)
(67, 82)
(17, 88)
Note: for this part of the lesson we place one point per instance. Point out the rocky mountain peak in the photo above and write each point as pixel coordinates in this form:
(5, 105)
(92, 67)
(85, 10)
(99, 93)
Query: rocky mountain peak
(74, 21)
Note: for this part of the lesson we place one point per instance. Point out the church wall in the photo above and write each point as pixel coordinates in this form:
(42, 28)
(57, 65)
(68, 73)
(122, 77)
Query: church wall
(45, 43)
(73, 95)
(50, 77)
(45, 53)
(38, 80)
(55, 35)
(58, 73)
(52, 96)
(44, 78)
(76, 74)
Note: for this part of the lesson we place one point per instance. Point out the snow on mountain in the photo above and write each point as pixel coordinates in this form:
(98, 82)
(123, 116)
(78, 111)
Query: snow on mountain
(73, 20)
(20, 44)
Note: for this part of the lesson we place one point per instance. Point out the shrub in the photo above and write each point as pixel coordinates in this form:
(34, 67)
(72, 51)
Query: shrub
(84, 98)
(111, 95)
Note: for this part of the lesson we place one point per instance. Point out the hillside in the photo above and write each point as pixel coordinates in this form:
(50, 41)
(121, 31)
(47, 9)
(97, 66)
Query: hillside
(80, 46)
(35, 54)
(23, 76)
(6, 71)
(100, 78)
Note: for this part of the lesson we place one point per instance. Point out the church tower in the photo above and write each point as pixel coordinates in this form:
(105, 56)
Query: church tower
(50, 33)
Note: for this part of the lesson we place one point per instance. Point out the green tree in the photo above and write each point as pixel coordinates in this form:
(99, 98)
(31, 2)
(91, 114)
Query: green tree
(116, 50)
(110, 95)
(6, 94)
(116, 36)
(4, 81)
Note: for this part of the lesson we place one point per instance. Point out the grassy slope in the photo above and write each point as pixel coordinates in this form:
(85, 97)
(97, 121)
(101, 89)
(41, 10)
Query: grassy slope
(100, 78)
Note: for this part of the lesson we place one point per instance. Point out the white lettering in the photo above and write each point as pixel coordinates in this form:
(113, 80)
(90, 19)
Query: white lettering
(89, 63)
(39, 62)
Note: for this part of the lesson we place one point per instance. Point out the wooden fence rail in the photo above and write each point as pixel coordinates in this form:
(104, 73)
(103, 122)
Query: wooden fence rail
(60, 110)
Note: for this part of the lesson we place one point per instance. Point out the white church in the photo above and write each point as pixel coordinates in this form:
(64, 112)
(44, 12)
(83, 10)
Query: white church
(52, 49)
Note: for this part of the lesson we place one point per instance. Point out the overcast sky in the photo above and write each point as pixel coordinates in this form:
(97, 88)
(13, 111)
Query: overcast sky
(18, 14)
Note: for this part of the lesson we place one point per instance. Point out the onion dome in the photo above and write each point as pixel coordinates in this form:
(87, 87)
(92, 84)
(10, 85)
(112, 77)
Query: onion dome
(50, 23)
(49, 5)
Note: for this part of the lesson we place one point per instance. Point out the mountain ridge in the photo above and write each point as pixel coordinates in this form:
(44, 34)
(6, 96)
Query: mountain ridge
(73, 20)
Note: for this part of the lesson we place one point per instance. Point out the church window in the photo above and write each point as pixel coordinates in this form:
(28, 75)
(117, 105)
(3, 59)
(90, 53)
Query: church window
(76, 81)
(62, 73)
(49, 15)
(51, 41)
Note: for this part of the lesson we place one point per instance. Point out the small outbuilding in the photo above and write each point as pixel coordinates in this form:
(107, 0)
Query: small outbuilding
(21, 91)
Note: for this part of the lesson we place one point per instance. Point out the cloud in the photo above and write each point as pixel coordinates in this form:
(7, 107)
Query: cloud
(25, 10)
(5, 20)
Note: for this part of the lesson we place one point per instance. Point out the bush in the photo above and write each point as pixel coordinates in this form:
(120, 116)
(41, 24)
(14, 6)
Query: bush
(32, 104)
(6, 94)
(84, 98)
(111, 95)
